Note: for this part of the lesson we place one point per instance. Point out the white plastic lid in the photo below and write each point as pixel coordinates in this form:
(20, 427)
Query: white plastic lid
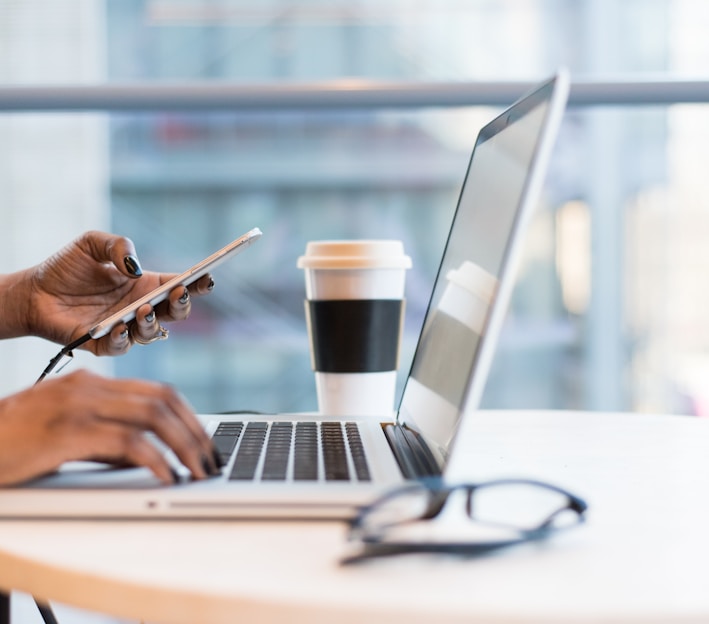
(355, 254)
(475, 280)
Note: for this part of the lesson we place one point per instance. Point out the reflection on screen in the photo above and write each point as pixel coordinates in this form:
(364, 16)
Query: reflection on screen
(469, 276)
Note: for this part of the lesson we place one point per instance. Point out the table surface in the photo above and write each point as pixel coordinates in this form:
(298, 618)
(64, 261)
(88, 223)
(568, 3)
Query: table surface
(641, 556)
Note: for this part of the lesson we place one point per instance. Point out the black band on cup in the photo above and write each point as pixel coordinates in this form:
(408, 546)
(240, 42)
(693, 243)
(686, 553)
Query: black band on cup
(355, 335)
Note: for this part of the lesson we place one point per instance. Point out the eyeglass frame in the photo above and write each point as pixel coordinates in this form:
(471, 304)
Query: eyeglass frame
(375, 545)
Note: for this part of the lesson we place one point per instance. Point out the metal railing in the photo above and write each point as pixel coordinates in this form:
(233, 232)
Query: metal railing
(333, 95)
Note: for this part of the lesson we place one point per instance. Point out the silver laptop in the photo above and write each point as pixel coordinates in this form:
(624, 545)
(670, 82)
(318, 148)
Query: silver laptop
(313, 466)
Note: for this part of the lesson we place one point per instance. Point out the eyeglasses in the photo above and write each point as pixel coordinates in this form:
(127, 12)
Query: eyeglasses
(497, 514)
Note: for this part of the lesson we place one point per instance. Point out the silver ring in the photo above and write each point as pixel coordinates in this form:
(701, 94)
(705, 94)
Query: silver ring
(161, 335)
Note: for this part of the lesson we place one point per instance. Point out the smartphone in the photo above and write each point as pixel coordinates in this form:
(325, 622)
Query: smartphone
(184, 279)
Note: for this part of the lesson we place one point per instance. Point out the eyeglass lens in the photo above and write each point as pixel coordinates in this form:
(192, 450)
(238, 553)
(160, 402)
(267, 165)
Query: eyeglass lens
(519, 504)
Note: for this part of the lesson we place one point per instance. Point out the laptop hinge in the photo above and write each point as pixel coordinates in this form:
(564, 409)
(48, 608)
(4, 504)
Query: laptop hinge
(411, 452)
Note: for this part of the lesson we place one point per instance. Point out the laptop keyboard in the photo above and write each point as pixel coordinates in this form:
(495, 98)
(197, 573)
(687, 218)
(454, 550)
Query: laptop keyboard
(284, 450)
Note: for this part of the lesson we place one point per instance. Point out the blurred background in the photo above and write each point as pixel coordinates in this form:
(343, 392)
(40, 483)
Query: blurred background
(610, 311)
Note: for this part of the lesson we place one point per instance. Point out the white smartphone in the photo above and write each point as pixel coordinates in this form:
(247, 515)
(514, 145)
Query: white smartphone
(184, 279)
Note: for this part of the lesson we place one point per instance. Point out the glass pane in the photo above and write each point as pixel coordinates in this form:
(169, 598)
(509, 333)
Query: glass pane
(609, 310)
(182, 186)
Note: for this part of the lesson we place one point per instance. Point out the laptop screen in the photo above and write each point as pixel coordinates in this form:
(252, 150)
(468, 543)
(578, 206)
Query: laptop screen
(450, 364)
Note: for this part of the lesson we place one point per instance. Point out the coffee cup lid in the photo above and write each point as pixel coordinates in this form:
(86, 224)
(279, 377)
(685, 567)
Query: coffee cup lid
(354, 254)
(475, 280)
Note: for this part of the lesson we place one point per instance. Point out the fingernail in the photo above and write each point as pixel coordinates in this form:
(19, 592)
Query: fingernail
(133, 265)
(217, 458)
(210, 286)
(185, 296)
(208, 468)
(175, 476)
(149, 318)
(124, 334)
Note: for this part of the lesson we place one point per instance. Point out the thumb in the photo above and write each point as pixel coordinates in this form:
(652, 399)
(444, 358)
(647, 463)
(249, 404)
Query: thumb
(116, 249)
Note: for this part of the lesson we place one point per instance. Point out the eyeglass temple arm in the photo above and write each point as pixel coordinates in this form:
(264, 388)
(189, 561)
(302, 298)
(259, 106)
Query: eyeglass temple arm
(574, 504)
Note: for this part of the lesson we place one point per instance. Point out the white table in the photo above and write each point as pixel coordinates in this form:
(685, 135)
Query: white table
(642, 556)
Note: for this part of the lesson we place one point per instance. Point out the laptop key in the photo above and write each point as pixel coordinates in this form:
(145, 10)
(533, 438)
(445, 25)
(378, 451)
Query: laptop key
(334, 452)
(225, 438)
(305, 438)
(357, 450)
(305, 458)
(277, 452)
(249, 452)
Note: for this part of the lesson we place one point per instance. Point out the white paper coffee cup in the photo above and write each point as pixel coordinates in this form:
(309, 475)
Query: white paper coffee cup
(354, 314)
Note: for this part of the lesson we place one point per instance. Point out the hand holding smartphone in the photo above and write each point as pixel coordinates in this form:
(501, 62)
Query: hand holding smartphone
(154, 297)
(190, 276)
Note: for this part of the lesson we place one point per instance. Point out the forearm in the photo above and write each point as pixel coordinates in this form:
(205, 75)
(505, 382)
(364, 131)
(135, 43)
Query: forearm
(15, 295)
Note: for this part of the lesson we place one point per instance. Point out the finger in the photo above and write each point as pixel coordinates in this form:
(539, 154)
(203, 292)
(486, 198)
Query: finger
(83, 423)
(186, 414)
(145, 326)
(203, 286)
(133, 407)
(158, 408)
(121, 445)
(209, 459)
(119, 250)
(179, 304)
(117, 342)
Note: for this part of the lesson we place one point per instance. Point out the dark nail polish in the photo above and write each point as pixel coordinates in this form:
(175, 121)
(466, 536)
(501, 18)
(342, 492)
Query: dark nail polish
(175, 476)
(185, 296)
(208, 468)
(149, 318)
(124, 334)
(133, 265)
(210, 286)
(217, 459)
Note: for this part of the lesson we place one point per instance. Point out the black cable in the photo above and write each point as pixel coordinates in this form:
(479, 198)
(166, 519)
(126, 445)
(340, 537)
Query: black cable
(44, 609)
(67, 351)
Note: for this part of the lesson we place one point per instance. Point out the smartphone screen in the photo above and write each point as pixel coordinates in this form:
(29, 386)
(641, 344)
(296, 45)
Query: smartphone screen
(190, 276)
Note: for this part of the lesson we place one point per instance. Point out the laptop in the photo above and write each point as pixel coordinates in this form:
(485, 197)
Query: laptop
(315, 466)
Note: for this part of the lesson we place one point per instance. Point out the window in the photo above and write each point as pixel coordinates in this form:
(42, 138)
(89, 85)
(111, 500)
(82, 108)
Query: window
(609, 309)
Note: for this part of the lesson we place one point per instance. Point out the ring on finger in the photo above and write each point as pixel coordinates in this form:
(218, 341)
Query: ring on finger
(161, 335)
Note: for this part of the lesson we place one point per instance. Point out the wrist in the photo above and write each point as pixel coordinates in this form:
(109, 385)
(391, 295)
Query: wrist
(15, 304)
